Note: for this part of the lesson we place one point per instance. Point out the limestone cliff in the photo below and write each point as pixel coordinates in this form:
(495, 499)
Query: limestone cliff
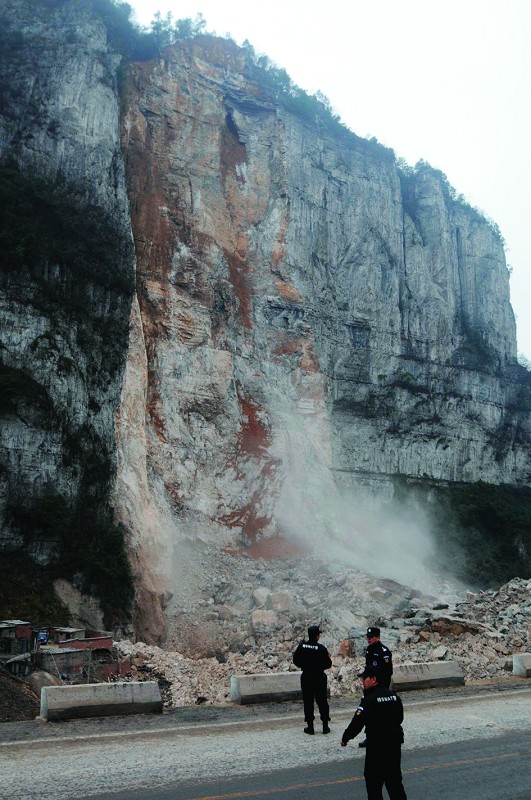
(307, 318)
(66, 277)
(306, 311)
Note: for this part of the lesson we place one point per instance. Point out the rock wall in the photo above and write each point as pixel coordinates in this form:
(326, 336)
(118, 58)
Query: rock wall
(310, 318)
(65, 298)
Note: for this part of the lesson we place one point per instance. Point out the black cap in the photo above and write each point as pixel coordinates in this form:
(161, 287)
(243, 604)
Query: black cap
(370, 672)
(373, 631)
(313, 631)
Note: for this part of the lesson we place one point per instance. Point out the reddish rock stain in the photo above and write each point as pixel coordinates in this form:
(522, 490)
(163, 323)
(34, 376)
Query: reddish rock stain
(255, 437)
(270, 549)
(238, 272)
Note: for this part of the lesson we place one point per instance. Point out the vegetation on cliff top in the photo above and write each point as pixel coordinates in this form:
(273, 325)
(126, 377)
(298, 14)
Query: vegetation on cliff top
(136, 43)
(408, 180)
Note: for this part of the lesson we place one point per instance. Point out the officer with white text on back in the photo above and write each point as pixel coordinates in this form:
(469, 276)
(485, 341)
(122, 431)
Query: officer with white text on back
(379, 656)
(313, 658)
(381, 713)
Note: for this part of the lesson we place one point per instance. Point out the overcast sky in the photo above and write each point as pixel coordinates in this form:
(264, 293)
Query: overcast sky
(448, 81)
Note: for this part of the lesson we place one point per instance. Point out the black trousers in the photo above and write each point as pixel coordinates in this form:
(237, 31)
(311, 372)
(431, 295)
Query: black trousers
(382, 766)
(314, 688)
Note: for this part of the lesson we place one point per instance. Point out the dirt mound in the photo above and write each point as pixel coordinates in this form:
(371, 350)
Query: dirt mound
(17, 700)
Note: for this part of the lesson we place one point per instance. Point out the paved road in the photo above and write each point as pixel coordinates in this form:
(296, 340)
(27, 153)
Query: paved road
(268, 756)
(491, 769)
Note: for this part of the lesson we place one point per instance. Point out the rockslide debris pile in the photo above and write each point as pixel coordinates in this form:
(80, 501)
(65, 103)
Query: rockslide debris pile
(255, 612)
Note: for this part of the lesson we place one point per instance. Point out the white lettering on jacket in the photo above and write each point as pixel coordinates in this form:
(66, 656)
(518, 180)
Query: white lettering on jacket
(390, 699)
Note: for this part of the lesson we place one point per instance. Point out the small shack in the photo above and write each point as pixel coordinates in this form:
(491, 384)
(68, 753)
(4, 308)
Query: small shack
(65, 662)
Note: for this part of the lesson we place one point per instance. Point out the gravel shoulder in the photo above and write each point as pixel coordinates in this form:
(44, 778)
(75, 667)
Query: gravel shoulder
(209, 716)
(188, 745)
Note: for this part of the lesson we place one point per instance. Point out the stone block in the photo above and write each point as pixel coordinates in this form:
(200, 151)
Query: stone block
(263, 621)
(455, 626)
(265, 688)
(260, 595)
(279, 601)
(522, 665)
(100, 700)
(428, 675)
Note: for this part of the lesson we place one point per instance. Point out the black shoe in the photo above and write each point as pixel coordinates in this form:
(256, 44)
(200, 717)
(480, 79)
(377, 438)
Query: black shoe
(363, 743)
(326, 729)
(309, 730)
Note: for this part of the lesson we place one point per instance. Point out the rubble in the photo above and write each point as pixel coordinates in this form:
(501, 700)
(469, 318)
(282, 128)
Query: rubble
(17, 699)
(256, 613)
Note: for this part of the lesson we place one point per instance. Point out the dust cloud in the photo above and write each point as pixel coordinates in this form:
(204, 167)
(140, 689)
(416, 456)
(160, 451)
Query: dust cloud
(352, 526)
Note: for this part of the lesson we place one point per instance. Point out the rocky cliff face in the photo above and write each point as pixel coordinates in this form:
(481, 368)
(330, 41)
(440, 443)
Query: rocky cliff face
(305, 312)
(309, 320)
(65, 283)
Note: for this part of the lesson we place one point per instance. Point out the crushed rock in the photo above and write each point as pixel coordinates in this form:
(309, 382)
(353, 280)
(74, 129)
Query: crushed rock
(253, 614)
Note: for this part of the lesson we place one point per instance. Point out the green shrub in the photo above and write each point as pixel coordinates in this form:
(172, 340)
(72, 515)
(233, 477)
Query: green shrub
(85, 547)
(42, 223)
(483, 532)
(27, 593)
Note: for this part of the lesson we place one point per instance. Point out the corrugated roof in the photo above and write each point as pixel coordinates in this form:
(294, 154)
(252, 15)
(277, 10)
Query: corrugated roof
(14, 622)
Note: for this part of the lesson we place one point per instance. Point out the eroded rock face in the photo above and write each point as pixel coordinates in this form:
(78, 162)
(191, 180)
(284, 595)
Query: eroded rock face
(305, 313)
(63, 314)
(307, 322)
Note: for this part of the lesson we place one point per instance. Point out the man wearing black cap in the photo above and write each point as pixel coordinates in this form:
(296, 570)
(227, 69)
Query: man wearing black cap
(313, 658)
(381, 713)
(379, 656)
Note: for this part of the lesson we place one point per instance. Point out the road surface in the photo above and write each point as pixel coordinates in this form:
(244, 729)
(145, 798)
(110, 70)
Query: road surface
(465, 747)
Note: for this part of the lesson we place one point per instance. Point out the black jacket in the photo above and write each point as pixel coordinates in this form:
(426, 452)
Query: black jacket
(312, 657)
(378, 655)
(381, 713)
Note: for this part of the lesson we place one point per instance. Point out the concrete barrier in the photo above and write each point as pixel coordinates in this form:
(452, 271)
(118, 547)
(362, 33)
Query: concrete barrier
(265, 688)
(426, 676)
(522, 665)
(100, 700)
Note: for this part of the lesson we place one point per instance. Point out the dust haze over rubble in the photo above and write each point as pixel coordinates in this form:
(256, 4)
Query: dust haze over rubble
(346, 524)
(259, 627)
(334, 530)
(356, 560)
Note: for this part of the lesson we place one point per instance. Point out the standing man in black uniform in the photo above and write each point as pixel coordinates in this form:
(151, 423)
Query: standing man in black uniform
(379, 656)
(381, 713)
(313, 658)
